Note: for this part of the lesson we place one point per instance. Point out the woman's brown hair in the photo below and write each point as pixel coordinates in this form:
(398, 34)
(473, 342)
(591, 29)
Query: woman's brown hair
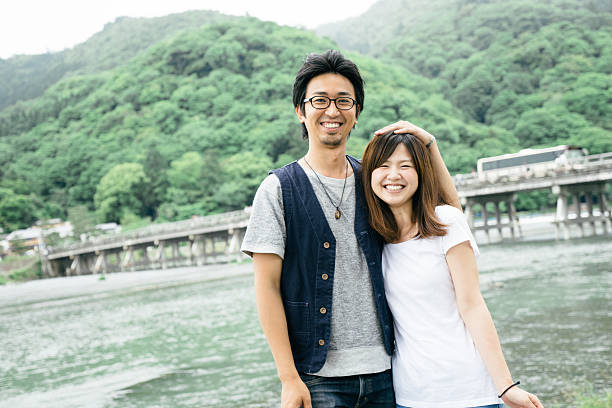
(425, 199)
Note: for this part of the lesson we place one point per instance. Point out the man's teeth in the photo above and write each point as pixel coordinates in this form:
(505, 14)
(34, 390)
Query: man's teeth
(393, 188)
(331, 125)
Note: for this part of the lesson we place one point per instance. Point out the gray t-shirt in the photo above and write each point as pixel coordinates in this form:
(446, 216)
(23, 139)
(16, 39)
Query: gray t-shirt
(356, 344)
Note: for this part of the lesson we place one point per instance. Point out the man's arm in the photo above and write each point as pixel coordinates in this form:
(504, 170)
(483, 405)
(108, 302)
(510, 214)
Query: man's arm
(448, 190)
(271, 312)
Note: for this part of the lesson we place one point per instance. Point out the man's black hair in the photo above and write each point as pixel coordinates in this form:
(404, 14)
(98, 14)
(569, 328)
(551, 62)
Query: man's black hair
(317, 64)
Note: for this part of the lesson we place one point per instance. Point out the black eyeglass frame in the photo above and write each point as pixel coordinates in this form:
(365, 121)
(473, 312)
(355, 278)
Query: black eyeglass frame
(329, 101)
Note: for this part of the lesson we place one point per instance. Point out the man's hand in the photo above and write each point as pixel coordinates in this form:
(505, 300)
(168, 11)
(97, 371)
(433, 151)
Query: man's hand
(295, 394)
(403, 126)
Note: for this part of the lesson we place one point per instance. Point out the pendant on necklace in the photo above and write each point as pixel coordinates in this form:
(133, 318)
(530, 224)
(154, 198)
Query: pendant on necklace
(338, 214)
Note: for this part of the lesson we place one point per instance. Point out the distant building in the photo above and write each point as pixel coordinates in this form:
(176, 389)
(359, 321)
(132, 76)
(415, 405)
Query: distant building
(24, 240)
(29, 240)
(109, 228)
(4, 246)
(62, 228)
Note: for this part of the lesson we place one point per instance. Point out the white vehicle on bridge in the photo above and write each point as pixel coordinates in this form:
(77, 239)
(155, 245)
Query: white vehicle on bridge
(528, 163)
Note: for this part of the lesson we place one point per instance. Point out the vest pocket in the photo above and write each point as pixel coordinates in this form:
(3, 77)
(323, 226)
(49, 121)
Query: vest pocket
(298, 322)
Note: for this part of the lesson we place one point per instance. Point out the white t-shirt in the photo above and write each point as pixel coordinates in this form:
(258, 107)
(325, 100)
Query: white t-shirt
(436, 364)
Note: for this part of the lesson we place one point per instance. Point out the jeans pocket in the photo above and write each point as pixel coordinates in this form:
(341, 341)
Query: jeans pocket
(311, 380)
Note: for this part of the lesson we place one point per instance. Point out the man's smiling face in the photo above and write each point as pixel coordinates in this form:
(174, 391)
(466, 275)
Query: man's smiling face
(329, 126)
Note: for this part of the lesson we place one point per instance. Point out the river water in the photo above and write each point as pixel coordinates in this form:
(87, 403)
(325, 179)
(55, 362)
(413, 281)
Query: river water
(190, 337)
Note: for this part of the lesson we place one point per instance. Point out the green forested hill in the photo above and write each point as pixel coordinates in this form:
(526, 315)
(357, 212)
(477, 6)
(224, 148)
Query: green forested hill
(27, 76)
(541, 70)
(191, 126)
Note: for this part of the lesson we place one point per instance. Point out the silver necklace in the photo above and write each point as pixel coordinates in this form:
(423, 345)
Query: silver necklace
(338, 213)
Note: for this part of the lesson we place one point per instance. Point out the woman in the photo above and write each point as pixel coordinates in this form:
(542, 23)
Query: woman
(448, 354)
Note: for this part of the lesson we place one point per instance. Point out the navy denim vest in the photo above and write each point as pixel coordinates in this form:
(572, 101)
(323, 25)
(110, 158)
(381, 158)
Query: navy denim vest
(308, 267)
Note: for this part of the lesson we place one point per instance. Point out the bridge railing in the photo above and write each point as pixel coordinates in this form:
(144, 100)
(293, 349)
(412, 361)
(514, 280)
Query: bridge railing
(160, 229)
(583, 164)
(595, 159)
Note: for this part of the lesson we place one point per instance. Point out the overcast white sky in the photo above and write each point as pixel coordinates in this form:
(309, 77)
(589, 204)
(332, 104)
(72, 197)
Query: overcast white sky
(37, 26)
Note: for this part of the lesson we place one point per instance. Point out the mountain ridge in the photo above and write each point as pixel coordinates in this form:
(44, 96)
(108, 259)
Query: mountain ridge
(191, 124)
(24, 77)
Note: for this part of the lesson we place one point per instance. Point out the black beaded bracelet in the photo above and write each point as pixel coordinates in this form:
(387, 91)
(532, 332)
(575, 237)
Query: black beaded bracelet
(502, 394)
(433, 139)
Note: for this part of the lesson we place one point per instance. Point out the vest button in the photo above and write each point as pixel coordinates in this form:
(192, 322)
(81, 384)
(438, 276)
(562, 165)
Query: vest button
(324, 276)
(323, 310)
(321, 342)
(326, 245)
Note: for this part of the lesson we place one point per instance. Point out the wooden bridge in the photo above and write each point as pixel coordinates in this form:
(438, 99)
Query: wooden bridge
(217, 238)
(583, 182)
(197, 241)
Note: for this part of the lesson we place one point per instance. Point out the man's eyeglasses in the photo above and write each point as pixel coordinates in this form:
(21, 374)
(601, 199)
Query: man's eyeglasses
(323, 102)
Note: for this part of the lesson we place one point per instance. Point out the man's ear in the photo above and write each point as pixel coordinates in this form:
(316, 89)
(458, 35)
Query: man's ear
(300, 115)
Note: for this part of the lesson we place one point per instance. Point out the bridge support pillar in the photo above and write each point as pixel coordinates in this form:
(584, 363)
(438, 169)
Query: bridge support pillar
(469, 212)
(200, 250)
(214, 254)
(128, 259)
(498, 219)
(236, 236)
(589, 203)
(176, 255)
(161, 254)
(47, 267)
(561, 217)
(90, 261)
(515, 226)
(564, 219)
(578, 213)
(146, 261)
(192, 250)
(75, 266)
(496, 200)
(603, 209)
(101, 264)
(82, 268)
(485, 220)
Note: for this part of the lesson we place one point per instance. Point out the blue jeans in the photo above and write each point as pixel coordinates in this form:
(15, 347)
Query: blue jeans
(355, 391)
(482, 406)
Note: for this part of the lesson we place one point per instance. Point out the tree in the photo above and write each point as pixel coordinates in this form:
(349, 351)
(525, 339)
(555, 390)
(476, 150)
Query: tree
(476, 93)
(83, 221)
(545, 126)
(120, 191)
(242, 174)
(16, 210)
(154, 166)
(185, 184)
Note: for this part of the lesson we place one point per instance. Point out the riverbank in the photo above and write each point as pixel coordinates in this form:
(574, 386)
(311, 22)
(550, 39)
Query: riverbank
(590, 399)
(19, 268)
(75, 288)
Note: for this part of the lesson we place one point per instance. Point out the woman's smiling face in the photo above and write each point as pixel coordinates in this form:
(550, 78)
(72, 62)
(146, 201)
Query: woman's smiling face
(396, 180)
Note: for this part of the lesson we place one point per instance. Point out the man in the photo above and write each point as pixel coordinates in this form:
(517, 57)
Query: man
(318, 278)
